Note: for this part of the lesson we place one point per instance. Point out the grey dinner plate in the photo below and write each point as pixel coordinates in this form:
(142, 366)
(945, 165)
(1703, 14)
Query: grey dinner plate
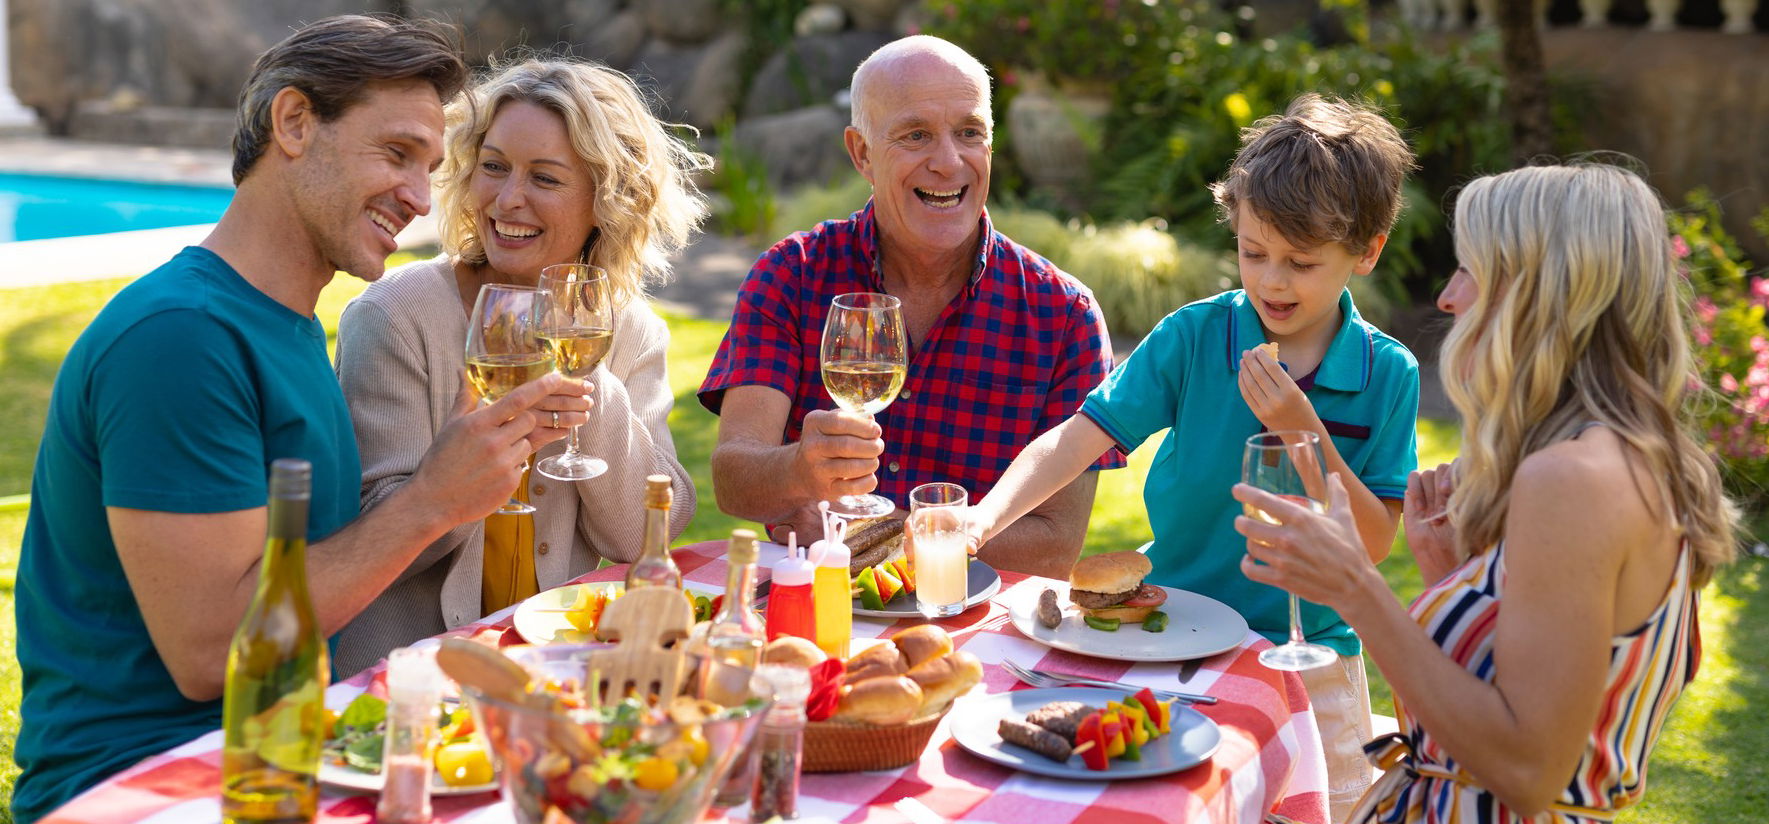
(1193, 740)
(982, 583)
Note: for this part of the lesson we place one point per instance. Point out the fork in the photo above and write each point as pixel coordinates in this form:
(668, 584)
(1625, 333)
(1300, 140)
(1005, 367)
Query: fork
(1040, 678)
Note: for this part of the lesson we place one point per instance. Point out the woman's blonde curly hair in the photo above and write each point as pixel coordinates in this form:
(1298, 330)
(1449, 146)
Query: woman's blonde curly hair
(645, 199)
(1578, 318)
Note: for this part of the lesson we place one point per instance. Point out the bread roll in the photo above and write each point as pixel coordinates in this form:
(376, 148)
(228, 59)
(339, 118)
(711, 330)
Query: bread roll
(922, 642)
(945, 678)
(793, 651)
(883, 700)
(875, 661)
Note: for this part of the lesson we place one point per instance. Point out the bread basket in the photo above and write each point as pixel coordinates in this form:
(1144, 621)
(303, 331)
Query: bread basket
(846, 746)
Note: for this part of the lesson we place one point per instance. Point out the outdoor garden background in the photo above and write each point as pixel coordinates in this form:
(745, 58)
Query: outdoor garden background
(1112, 116)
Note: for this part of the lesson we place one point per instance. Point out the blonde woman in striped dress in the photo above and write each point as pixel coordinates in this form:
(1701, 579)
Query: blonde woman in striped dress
(1566, 547)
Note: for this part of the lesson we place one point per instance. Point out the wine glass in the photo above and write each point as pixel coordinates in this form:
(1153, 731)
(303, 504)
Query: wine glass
(865, 360)
(574, 316)
(1288, 464)
(502, 351)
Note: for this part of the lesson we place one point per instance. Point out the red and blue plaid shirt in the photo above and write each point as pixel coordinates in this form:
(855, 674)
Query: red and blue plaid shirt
(1011, 357)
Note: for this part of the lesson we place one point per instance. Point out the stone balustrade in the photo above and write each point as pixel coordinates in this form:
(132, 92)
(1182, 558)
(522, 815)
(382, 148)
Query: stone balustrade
(1730, 16)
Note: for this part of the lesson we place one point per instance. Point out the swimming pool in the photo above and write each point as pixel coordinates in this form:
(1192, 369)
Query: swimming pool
(35, 207)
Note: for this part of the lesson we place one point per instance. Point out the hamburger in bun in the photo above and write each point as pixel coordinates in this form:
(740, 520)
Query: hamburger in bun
(1110, 586)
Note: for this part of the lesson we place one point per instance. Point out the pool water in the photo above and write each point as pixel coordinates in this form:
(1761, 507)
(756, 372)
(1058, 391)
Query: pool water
(35, 207)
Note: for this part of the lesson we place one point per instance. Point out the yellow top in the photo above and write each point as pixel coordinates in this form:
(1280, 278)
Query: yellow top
(509, 574)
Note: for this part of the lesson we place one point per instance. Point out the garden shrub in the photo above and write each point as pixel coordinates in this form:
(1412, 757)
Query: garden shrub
(1731, 342)
(1184, 84)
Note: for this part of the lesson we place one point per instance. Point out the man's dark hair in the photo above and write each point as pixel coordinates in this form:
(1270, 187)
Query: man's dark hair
(334, 61)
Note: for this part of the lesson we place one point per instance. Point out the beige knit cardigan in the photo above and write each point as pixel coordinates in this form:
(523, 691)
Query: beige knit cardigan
(401, 349)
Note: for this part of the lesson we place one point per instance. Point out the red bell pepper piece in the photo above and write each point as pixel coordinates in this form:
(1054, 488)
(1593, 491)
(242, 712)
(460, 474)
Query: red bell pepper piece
(1159, 713)
(1090, 732)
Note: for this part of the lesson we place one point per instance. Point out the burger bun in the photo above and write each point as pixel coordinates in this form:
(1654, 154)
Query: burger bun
(1110, 572)
(1124, 614)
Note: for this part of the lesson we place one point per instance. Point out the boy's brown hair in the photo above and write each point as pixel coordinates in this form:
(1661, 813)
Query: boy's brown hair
(1324, 171)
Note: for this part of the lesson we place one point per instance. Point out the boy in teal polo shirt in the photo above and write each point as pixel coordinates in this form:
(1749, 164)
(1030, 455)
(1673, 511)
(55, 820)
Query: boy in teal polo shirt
(1311, 197)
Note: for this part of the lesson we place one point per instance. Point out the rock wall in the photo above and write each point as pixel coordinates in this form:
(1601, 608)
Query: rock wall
(1693, 104)
(107, 69)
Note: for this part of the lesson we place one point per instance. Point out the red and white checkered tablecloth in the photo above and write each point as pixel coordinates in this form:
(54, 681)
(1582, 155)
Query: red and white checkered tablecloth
(1270, 758)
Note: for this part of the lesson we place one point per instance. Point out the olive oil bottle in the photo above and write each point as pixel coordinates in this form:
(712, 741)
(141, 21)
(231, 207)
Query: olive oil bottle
(655, 567)
(274, 706)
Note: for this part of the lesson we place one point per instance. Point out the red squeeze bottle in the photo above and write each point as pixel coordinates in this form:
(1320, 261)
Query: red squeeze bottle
(791, 609)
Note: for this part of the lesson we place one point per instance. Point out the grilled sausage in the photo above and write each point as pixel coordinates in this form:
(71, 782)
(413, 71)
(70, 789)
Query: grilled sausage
(1049, 613)
(1060, 717)
(1034, 738)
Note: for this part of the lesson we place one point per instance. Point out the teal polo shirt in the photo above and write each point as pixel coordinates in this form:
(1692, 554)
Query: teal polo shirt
(175, 399)
(1182, 378)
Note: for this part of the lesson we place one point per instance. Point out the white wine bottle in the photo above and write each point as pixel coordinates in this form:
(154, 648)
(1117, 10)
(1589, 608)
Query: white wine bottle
(274, 706)
(655, 567)
(737, 633)
(734, 646)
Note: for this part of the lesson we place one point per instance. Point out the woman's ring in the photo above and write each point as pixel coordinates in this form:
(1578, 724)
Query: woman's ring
(555, 419)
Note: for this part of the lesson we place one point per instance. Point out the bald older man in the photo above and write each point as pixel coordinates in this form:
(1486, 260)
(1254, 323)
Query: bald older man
(1003, 345)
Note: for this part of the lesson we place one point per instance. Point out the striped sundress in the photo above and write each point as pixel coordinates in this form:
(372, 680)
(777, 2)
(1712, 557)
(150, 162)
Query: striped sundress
(1647, 671)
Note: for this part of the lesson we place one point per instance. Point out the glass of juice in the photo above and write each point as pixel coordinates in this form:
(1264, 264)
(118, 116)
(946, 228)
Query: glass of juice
(939, 548)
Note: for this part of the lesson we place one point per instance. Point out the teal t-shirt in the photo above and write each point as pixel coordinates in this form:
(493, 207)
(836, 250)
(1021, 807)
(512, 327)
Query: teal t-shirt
(175, 399)
(1183, 378)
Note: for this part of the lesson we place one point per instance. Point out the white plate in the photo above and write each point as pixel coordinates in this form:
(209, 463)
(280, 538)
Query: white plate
(1193, 740)
(1197, 627)
(345, 778)
(541, 619)
(982, 583)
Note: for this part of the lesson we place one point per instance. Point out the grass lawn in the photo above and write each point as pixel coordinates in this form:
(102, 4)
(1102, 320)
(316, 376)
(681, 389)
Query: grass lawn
(1708, 766)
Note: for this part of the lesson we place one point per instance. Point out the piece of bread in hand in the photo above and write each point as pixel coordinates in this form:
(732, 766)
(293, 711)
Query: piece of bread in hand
(875, 661)
(922, 642)
(1270, 348)
(793, 651)
(892, 700)
(945, 678)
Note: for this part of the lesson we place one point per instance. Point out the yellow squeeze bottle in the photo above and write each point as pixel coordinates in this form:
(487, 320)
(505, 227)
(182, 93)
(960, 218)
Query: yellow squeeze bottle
(830, 589)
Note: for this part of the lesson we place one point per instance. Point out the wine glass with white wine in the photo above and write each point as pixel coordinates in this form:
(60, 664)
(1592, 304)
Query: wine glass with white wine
(865, 360)
(574, 316)
(502, 351)
(1288, 464)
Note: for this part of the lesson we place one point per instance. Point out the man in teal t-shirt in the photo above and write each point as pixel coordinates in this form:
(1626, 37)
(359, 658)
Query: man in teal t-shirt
(148, 512)
(173, 400)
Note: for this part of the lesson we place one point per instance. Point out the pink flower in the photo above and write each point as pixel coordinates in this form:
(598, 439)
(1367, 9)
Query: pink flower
(1705, 310)
(1759, 345)
(1008, 78)
(1728, 383)
(1024, 24)
(1679, 247)
(1760, 291)
(1703, 336)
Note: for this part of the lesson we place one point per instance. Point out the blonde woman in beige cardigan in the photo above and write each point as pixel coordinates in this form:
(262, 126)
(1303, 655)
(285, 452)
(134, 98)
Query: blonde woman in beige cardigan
(549, 161)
